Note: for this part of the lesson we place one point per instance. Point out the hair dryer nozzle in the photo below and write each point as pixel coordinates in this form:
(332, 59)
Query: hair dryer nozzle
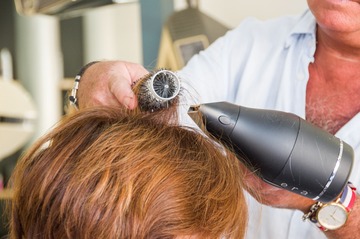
(287, 151)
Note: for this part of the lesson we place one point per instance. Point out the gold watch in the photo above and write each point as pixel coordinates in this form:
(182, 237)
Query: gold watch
(333, 215)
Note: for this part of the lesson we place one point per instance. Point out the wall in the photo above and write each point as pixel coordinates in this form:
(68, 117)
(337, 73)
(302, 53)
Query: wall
(231, 13)
(113, 32)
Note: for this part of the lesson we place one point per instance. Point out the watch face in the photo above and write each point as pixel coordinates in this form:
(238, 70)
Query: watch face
(332, 216)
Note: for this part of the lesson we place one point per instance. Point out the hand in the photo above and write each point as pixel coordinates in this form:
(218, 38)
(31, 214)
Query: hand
(273, 196)
(109, 83)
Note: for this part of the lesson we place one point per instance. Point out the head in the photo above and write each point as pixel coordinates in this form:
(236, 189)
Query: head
(340, 16)
(102, 173)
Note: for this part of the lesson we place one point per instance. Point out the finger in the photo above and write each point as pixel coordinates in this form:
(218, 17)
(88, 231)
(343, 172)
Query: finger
(123, 93)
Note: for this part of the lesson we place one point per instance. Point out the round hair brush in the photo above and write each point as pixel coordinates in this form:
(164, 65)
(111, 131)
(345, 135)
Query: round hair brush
(157, 90)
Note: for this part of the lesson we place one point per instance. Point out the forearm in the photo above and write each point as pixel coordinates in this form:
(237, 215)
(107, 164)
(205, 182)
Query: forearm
(351, 229)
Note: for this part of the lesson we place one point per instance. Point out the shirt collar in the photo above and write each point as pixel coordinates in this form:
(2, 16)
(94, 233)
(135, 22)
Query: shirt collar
(305, 26)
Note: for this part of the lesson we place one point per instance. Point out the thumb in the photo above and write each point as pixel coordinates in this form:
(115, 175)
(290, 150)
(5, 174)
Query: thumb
(122, 91)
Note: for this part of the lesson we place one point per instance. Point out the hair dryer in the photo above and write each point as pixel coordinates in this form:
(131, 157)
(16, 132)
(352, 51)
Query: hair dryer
(286, 150)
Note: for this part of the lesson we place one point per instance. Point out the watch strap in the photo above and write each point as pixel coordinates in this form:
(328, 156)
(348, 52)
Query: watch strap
(348, 197)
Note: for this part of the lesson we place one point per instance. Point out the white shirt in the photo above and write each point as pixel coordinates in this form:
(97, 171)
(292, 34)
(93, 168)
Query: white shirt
(264, 64)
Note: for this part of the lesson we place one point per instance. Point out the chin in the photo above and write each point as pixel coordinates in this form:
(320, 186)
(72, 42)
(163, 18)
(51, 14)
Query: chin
(337, 15)
(338, 21)
(338, 25)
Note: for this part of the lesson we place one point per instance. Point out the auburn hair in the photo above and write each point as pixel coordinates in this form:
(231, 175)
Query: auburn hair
(104, 173)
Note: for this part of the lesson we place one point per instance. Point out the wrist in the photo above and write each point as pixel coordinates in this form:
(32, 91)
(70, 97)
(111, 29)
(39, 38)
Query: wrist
(73, 96)
(333, 215)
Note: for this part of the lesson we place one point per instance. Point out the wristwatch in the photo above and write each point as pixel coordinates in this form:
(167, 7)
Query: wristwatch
(333, 215)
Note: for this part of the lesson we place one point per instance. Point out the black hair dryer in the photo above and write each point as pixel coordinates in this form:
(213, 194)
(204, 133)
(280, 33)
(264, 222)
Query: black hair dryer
(287, 151)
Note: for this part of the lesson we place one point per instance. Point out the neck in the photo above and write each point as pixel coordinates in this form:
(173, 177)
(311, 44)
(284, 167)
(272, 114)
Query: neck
(333, 88)
(341, 45)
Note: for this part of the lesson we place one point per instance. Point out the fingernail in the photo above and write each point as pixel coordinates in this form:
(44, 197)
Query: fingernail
(127, 102)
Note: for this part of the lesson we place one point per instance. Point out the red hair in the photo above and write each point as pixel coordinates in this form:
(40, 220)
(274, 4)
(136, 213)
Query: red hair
(101, 173)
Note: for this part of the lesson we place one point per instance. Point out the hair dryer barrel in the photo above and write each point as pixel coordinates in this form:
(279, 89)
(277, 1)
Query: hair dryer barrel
(286, 150)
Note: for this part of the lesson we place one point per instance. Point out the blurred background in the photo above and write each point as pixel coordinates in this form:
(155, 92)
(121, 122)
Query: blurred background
(44, 43)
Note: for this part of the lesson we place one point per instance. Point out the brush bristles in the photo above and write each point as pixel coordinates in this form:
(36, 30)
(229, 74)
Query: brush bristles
(157, 90)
